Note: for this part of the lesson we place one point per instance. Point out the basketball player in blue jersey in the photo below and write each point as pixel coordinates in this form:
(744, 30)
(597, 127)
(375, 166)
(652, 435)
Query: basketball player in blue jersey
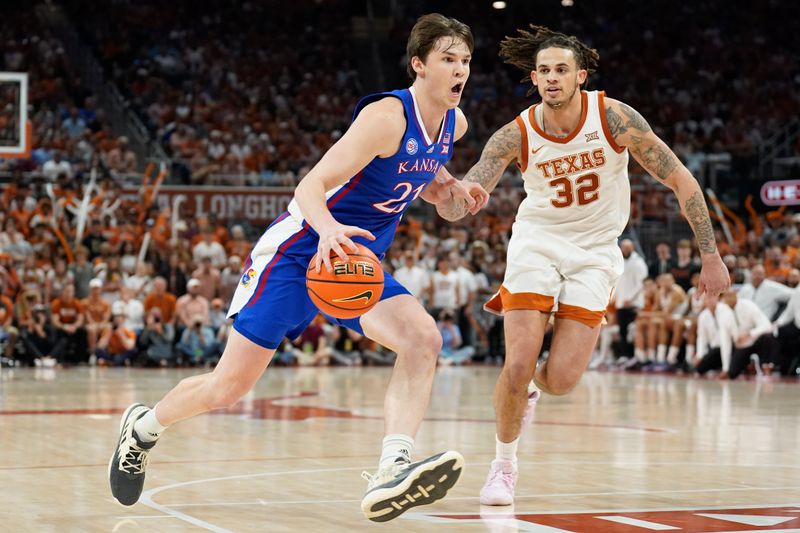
(394, 152)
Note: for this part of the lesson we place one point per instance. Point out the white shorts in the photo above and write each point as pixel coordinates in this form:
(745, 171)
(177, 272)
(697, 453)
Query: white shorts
(547, 273)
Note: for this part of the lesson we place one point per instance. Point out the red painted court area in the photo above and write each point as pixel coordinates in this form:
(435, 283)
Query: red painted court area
(694, 521)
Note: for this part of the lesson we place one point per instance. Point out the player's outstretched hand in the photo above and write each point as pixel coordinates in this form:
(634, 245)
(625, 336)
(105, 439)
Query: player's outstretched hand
(714, 276)
(337, 238)
(473, 193)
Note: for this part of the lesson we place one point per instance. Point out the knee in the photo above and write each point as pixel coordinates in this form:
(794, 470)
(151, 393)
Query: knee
(560, 388)
(223, 393)
(557, 386)
(425, 341)
(517, 377)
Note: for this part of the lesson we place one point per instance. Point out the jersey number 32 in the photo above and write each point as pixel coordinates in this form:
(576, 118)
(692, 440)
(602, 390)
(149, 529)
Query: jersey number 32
(585, 190)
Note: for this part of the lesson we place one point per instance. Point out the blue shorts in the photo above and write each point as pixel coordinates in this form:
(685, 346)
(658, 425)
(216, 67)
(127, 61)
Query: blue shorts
(271, 301)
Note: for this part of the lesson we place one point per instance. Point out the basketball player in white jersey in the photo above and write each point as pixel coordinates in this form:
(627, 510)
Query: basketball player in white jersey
(563, 256)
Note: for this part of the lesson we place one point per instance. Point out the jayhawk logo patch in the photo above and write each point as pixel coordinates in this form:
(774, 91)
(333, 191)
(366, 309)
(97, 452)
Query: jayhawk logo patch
(248, 277)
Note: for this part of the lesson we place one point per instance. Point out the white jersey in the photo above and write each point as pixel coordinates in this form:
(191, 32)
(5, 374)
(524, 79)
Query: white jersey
(577, 186)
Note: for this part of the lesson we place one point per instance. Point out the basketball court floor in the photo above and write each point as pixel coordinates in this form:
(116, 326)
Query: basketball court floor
(627, 453)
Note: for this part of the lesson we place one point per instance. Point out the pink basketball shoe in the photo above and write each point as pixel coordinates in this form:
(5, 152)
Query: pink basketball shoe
(499, 486)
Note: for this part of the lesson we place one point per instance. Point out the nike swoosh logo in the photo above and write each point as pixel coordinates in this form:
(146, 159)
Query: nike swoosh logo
(534, 151)
(366, 294)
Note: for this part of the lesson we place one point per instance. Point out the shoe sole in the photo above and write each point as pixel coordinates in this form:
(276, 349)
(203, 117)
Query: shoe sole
(496, 502)
(125, 416)
(427, 484)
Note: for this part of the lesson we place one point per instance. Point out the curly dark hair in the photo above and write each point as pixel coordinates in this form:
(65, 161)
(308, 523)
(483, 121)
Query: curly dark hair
(522, 49)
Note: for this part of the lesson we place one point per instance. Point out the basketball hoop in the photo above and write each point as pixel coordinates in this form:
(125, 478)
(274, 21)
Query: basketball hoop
(16, 130)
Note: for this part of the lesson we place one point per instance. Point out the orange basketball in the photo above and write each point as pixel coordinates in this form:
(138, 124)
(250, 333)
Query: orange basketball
(352, 289)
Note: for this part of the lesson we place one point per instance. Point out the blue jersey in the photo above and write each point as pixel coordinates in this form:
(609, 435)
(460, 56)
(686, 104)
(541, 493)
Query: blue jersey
(271, 301)
(376, 198)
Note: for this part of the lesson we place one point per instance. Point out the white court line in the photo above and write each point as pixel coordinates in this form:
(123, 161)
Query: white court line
(146, 498)
(143, 517)
(793, 530)
(637, 523)
(518, 497)
(635, 510)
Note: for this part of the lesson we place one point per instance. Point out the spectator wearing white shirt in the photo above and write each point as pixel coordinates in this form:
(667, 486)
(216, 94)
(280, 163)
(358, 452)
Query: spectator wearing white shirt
(754, 333)
(729, 332)
(768, 295)
(443, 291)
(412, 276)
(629, 294)
(130, 306)
(55, 167)
(467, 287)
(208, 247)
(713, 346)
(140, 283)
(789, 334)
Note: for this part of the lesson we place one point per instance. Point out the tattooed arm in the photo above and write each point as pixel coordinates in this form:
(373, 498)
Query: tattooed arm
(502, 148)
(632, 131)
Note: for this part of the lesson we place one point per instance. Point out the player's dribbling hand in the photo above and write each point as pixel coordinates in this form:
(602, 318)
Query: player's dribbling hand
(337, 238)
(714, 276)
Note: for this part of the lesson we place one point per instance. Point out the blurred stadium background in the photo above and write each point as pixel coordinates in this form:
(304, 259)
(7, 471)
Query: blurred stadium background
(165, 137)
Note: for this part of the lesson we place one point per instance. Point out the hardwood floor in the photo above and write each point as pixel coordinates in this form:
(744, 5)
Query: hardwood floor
(627, 453)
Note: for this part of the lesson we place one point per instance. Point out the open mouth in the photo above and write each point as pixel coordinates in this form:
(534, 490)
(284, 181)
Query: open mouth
(552, 91)
(456, 89)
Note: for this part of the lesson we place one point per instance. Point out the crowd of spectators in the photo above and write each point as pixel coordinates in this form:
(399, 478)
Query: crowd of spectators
(258, 91)
(254, 91)
(97, 300)
(70, 134)
(230, 89)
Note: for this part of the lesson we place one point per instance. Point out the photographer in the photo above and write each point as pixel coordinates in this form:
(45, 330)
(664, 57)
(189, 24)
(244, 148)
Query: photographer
(197, 344)
(156, 339)
(68, 318)
(39, 339)
(117, 343)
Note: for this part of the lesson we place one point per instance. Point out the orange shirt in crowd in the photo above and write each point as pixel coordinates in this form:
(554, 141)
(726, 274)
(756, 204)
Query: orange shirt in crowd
(165, 302)
(239, 248)
(98, 310)
(6, 311)
(67, 312)
(115, 345)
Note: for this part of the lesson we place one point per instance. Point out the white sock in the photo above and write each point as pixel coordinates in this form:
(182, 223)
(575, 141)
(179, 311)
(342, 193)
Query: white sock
(148, 428)
(672, 354)
(394, 446)
(506, 451)
(661, 353)
(689, 352)
(639, 354)
(651, 354)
